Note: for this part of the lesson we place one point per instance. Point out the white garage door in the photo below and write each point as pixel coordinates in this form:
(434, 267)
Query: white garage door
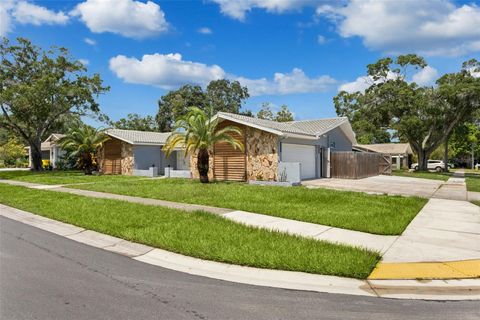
(303, 154)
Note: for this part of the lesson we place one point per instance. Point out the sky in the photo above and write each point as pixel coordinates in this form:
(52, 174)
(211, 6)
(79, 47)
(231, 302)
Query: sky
(294, 52)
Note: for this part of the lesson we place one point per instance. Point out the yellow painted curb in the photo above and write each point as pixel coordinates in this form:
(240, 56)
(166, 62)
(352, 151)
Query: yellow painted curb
(427, 270)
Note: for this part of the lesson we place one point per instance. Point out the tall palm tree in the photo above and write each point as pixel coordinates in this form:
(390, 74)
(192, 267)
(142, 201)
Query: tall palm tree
(197, 133)
(83, 142)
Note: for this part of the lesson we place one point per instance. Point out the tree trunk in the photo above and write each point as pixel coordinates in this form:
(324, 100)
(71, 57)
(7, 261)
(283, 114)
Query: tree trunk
(422, 160)
(36, 154)
(203, 165)
(87, 163)
(445, 155)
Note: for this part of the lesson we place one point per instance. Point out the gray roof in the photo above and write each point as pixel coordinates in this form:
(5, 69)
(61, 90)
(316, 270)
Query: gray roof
(139, 137)
(389, 148)
(305, 127)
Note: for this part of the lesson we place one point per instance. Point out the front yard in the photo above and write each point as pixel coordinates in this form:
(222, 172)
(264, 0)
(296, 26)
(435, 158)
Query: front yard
(196, 234)
(444, 176)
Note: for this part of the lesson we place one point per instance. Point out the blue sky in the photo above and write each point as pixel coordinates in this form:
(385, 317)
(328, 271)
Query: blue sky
(294, 52)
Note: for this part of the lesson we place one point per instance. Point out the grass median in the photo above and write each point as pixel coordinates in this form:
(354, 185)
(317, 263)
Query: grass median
(198, 234)
(443, 176)
(379, 214)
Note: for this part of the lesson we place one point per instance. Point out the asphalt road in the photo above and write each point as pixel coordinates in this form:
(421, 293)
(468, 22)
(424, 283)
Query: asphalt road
(45, 276)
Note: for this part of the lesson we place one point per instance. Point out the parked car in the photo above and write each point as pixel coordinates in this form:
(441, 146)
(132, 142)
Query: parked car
(436, 165)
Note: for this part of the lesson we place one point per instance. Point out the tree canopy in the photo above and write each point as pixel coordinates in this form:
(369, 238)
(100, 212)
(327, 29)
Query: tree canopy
(266, 113)
(39, 88)
(220, 95)
(135, 122)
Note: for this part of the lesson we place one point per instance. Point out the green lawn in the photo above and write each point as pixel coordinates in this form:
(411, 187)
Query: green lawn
(473, 181)
(423, 174)
(61, 177)
(378, 214)
(196, 234)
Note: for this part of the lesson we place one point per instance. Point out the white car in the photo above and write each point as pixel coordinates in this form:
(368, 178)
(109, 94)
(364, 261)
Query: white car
(436, 165)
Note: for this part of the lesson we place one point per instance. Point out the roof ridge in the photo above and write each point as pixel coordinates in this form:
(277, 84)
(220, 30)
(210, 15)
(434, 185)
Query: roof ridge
(330, 118)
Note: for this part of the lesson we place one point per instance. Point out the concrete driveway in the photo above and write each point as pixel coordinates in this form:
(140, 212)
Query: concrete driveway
(393, 185)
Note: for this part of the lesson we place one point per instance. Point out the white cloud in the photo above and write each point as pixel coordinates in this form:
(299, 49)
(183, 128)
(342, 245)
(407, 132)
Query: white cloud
(287, 83)
(134, 19)
(321, 39)
(24, 12)
(435, 27)
(205, 30)
(237, 9)
(90, 41)
(167, 71)
(170, 71)
(29, 13)
(85, 62)
(425, 76)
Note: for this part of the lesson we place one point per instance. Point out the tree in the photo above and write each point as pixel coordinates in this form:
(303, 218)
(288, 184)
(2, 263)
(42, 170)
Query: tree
(198, 133)
(265, 112)
(220, 95)
(40, 87)
(135, 122)
(464, 143)
(284, 115)
(82, 143)
(176, 103)
(423, 116)
(11, 151)
(225, 95)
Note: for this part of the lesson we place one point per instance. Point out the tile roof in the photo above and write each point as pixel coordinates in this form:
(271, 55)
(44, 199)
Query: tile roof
(139, 137)
(306, 127)
(390, 148)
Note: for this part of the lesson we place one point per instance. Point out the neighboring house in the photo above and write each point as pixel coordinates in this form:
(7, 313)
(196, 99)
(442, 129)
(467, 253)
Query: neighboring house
(274, 151)
(401, 153)
(133, 152)
(51, 151)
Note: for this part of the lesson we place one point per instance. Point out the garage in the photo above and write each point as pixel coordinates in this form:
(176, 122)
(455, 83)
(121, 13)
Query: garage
(303, 154)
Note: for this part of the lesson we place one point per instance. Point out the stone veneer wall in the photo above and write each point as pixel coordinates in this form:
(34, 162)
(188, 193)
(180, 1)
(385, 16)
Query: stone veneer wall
(262, 155)
(127, 158)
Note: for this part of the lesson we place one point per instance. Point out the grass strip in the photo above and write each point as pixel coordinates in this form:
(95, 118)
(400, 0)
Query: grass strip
(378, 214)
(444, 176)
(196, 234)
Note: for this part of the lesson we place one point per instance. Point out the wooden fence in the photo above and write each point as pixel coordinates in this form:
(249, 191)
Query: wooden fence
(357, 165)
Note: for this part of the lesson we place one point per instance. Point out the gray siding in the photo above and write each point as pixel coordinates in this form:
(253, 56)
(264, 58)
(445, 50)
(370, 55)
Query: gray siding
(146, 156)
(342, 143)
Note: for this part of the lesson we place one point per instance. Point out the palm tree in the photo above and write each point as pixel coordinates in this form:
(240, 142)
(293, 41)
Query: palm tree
(197, 133)
(83, 142)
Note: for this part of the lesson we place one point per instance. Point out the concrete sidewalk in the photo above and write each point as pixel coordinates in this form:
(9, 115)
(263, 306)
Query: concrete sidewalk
(379, 243)
(454, 189)
(464, 289)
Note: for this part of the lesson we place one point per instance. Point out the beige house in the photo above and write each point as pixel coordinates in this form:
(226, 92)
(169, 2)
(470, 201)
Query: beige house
(401, 153)
(274, 151)
(51, 151)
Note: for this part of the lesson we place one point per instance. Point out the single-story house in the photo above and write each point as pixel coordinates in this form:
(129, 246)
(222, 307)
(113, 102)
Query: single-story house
(51, 151)
(401, 153)
(274, 151)
(133, 152)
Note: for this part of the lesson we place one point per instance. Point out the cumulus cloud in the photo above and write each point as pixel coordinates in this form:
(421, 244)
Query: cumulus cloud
(24, 12)
(29, 13)
(90, 41)
(205, 30)
(435, 27)
(426, 76)
(85, 62)
(237, 9)
(170, 71)
(167, 71)
(133, 19)
(287, 83)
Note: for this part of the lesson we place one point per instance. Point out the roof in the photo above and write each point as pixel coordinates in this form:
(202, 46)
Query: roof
(390, 148)
(139, 137)
(305, 128)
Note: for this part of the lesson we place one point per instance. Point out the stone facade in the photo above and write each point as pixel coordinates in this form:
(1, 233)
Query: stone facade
(262, 155)
(193, 166)
(127, 158)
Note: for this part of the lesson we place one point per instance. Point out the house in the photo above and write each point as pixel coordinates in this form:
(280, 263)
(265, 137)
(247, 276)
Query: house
(401, 153)
(51, 151)
(274, 151)
(133, 152)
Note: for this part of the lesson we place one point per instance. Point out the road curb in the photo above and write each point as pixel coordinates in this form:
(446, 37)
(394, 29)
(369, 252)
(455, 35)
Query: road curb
(464, 289)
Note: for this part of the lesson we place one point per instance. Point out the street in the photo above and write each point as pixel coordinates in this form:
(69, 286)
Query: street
(45, 276)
